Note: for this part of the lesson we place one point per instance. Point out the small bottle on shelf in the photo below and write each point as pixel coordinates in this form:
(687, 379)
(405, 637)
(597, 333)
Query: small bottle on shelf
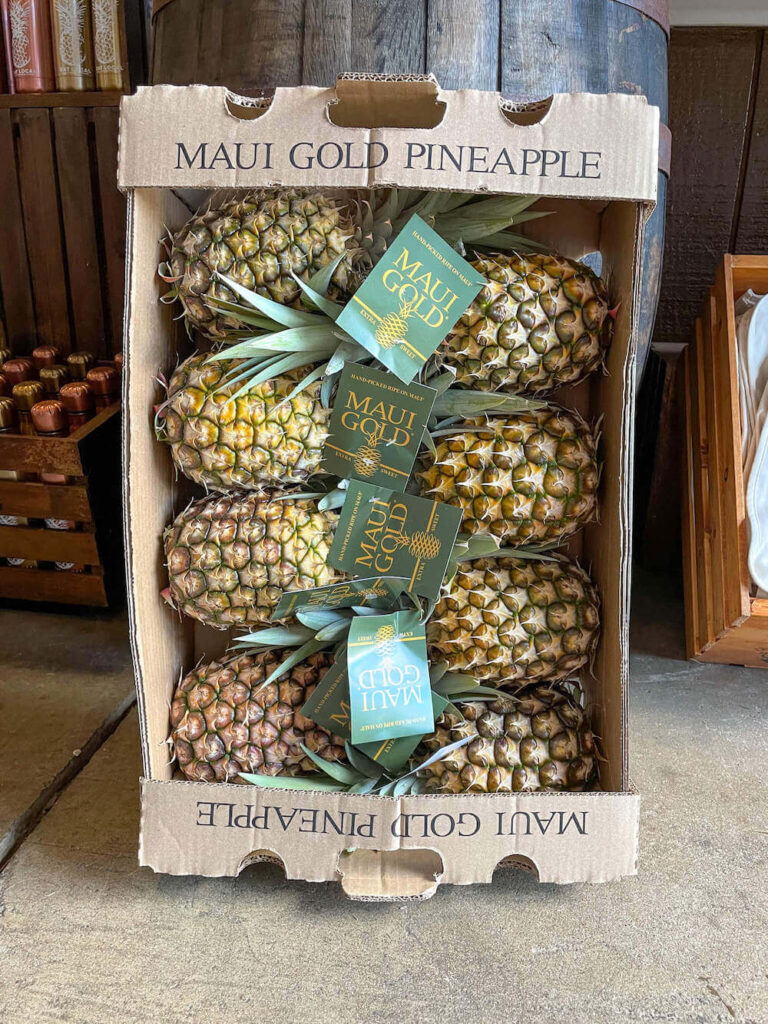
(72, 45)
(25, 395)
(52, 378)
(77, 399)
(49, 419)
(20, 369)
(105, 385)
(107, 45)
(31, 60)
(44, 355)
(79, 363)
(6, 63)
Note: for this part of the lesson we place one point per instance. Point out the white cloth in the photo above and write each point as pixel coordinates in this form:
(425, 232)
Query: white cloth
(752, 361)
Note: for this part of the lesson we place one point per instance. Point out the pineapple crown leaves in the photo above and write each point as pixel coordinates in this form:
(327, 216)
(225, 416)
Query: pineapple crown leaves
(361, 775)
(297, 338)
(463, 217)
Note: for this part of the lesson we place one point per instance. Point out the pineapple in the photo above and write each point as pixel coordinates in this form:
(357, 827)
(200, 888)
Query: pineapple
(508, 621)
(537, 740)
(223, 722)
(260, 240)
(530, 478)
(230, 557)
(264, 437)
(537, 324)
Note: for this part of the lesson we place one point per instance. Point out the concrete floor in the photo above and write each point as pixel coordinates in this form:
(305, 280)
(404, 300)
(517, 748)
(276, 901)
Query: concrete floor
(88, 938)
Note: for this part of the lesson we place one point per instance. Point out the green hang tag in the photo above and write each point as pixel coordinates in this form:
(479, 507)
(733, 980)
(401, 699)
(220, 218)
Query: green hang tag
(328, 704)
(376, 427)
(385, 532)
(389, 691)
(411, 299)
(374, 592)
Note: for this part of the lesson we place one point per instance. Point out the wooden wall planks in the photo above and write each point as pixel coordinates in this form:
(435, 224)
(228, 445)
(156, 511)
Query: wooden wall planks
(752, 226)
(718, 189)
(718, 203)
(62, 258)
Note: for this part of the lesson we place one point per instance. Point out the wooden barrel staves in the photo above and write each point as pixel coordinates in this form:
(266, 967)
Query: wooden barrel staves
(527, 49)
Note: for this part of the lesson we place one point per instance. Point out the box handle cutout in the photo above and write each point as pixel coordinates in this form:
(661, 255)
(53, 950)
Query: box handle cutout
(518, 860)
(248, 108)
(386, 101)
(260, 857)
(390, 875)
(525, 114)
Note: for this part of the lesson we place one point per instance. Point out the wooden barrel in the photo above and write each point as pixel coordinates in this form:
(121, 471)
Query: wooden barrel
(525, 48)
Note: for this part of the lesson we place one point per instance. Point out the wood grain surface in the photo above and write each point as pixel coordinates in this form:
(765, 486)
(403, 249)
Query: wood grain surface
(62, 232)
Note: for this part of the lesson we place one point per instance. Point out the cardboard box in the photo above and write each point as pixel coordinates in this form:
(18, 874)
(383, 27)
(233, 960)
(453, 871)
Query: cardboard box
(723, 621)
(596, 157)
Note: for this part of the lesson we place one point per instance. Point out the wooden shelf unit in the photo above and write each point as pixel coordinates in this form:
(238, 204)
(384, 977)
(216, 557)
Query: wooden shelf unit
(723, 622)
(20, 100)
(90, 458)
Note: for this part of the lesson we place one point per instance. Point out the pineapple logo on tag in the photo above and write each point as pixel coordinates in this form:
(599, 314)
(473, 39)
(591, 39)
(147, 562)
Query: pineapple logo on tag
(368, 456)
(393, 328)
(423, 546)
(385, 637)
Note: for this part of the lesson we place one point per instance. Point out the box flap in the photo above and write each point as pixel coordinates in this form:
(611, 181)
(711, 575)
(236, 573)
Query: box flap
(413, 135)
(217, 829)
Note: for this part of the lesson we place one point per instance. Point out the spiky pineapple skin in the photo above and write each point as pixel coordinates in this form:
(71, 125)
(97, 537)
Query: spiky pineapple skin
(537, 324)
(230, 557)
(223, 723)
(538, 740)
(260, 240)
(261, 439)
(530, 478)
(509, 621)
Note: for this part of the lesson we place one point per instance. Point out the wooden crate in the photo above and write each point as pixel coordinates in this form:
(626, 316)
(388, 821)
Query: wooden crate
(62, 260)
(91, 459)
(723, 622)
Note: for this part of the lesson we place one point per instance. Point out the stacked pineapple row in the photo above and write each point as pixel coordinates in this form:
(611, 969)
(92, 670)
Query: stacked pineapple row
(521, 624)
